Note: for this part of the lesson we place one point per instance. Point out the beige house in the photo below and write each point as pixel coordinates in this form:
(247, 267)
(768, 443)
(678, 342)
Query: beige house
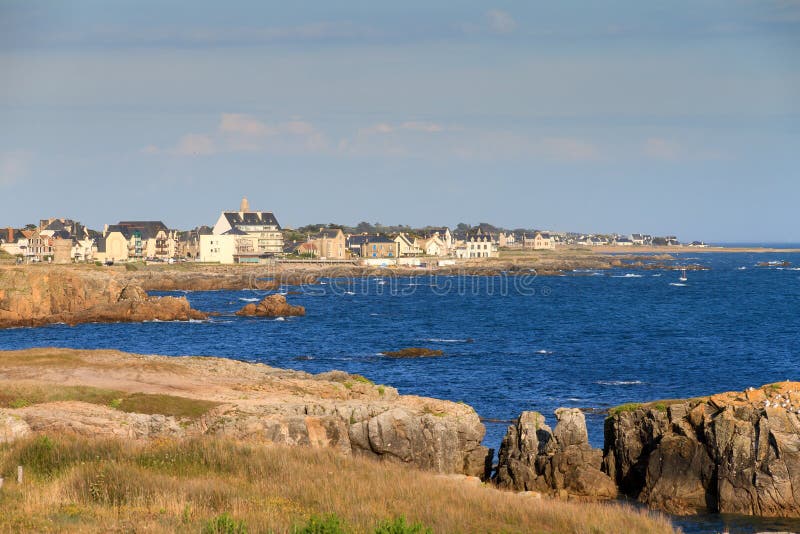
(379, 246)
(406, 246)
(135, 241)
(541, 241)
(432, 246)
(257, 235)
(444, 235)
(330, 244)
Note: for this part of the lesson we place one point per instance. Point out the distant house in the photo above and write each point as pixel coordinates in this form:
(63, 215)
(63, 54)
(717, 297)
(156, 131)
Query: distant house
(406, 245)
(622, 241)
(431, 246)
(373, 246)
(444, 235)
(642, 239)
(698, 244)
(543, 241)
(329, 243)
(480, 244)
(243, 236)
(506, 240)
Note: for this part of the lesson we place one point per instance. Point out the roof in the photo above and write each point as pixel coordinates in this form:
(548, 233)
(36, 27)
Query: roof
(329, 233)
(357, 240)
(251, 218)
(146, 229)
(234, 231)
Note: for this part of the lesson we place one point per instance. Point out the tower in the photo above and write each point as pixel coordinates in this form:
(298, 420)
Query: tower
(244, 206)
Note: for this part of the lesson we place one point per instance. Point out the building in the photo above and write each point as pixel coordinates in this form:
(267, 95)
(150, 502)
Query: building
(480, 245)
(406, 246)
(539, 241)
(256, 235)
(507, 240)
(329, 244)
(431, 246)
(444, 235)
(374, 246)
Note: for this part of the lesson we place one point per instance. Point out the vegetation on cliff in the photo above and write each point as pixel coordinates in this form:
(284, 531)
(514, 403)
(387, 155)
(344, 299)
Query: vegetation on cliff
(92, 485)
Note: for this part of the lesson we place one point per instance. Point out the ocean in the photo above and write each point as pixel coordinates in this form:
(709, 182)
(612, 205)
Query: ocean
(590, 339)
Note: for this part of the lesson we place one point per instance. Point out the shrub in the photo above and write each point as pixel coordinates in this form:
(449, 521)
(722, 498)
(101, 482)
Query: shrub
(329, 524)
(131, 267)
(224, 524)
(630, 407)
(399, 526)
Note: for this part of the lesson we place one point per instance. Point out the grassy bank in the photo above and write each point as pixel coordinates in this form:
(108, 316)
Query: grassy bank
(77, 484)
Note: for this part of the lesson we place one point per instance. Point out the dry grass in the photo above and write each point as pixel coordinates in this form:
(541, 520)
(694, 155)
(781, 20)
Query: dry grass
(75, 484)
(20, 395)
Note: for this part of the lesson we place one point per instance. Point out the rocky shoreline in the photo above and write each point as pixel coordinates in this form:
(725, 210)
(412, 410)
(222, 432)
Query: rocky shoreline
(735, 452)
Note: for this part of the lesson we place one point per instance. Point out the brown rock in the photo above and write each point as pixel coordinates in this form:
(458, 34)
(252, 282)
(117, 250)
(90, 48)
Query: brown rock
(271, 306)
(561, 462)
(736, 452)
(413, 352)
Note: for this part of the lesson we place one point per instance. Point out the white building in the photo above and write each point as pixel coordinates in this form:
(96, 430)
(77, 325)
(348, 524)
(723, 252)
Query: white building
(243, 236)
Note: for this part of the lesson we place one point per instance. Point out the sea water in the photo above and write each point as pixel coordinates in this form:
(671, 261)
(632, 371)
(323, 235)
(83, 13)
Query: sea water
(511, 343)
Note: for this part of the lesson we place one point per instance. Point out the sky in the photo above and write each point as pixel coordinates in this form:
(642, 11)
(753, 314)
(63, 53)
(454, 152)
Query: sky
(678, 117)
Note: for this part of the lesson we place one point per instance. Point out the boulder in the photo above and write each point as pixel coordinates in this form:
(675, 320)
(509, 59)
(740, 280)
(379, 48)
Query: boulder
(736, 452)
(271, 306)
(559, 462)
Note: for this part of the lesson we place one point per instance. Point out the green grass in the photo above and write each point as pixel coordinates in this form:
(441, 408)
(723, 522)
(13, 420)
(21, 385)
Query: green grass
(21, 396)
(622, 408)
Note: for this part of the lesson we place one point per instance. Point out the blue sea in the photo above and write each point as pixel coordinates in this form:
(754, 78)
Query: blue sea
(590, 339)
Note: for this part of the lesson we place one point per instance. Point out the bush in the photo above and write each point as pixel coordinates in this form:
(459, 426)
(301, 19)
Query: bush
(224, 524)
(399, 526)
(131, 267)
(329, 524)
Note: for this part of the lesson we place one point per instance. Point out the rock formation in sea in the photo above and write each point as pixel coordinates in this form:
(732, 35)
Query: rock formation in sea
(736, 452)
(413, 352)
(38, 296)
(271, 306)
(534, 458)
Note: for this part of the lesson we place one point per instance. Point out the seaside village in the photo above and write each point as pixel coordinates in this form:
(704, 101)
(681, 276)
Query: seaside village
(251, 236)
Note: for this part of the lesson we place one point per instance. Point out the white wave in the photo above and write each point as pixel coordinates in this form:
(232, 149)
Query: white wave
(675, 284)
(574, 399)
(349, 293)
(280, 318)
(441, 340)
(619, 382)
(542, 351)
(742, 268)
(374, 314)
(248, 300)
(627, 275)
(657, 275)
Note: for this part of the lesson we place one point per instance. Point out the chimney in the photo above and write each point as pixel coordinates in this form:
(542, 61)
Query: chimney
(244, 206)
(10, 235)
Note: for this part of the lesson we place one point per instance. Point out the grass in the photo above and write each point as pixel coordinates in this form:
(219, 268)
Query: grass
(622, 408)
(15, 395)
(211, 485)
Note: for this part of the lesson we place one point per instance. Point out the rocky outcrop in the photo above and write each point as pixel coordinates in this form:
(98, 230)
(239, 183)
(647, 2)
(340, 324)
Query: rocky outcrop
(272, 306)
(736, 452)
(560, 462)
(39, 296)
(248, 402)
(413, 352)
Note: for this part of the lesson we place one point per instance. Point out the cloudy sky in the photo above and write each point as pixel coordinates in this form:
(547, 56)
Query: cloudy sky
(609, 116)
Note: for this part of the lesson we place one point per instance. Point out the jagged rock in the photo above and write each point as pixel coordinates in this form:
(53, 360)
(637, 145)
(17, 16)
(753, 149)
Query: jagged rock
(736, 452)
(134, 293)
(271, 306)
(534, 458)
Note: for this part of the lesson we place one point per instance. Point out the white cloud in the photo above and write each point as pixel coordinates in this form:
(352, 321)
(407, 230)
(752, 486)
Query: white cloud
(659, 148)
(238, 123)
(500, 21)
(13, 166)
(238, 132)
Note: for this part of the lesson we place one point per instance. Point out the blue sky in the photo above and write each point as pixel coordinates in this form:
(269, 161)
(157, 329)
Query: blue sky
(609, 116)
